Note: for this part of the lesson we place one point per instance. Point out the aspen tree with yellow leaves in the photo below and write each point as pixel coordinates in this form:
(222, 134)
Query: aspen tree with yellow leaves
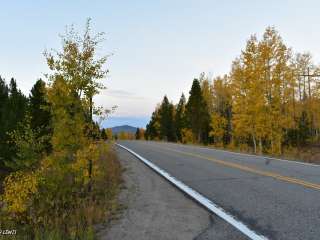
(221, 116)
(249, 110)
(269, 103)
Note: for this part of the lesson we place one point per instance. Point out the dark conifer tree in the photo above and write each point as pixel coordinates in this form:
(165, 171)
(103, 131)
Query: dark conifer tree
(303, 129)
(167, 129)
(40, 112)
(4, 97)
(153, 127)
(196, 112)
(103, 134)
(14, 111)
(138, 134)
(180, 118)
(17, 105)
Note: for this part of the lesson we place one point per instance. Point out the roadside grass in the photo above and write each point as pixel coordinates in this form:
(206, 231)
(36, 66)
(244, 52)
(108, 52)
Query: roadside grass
(62, 207)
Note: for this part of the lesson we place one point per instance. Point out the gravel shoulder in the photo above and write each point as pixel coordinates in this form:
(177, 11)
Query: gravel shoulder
(154, 209)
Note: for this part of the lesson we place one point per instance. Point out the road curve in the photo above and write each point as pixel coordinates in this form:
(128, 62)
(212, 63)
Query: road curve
(278, 199)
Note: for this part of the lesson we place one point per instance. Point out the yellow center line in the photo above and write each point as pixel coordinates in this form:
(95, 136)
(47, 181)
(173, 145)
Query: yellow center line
(252, 170)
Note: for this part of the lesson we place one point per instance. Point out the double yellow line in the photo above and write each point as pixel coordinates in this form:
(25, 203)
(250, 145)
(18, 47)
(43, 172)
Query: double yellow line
(253, 170)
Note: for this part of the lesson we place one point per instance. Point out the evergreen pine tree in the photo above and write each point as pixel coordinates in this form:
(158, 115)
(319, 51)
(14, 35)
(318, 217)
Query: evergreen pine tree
(167, 129)
(196, 112)
(153, 127)
(103, 134)
(17, 105)
(40, 112)
(303, 129)
(4, 97)
(14, 111)
(180, 118)
(138, 134)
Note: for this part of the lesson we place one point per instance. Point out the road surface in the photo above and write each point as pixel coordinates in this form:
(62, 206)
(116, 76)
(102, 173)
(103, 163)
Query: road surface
(154, 209)
(278, 199)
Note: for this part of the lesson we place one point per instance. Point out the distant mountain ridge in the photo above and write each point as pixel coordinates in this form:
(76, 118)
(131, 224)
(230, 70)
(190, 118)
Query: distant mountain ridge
(123, 128)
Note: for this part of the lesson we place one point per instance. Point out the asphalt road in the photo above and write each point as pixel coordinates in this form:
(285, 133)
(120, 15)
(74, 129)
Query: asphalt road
(278, 199)
(153, 209)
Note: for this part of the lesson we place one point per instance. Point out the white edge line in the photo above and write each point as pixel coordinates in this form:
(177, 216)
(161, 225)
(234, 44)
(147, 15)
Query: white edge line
(250, 155)
(200, 198)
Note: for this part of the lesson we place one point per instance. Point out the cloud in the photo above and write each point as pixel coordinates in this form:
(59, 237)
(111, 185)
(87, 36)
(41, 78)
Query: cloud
(116, 93)
(128, 103)
(113, 121)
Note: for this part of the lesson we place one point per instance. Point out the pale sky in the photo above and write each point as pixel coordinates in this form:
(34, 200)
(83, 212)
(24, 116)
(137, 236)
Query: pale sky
(158, 47)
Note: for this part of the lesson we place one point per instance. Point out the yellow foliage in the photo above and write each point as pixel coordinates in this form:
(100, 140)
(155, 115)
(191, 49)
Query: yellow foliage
(218, 124)
(80, 165)
(68, 118)
(109, 133)
(142, 133)
(19, 190)
(186, 135)
(57, 194)
(126, 136)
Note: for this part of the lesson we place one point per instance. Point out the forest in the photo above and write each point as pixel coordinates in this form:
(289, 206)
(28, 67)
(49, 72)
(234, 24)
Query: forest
(269, 103)
(58, 176)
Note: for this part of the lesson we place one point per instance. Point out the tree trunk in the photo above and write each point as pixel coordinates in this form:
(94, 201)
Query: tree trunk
(254, 144)
(260, 146)
(91, 133)
(299, 86)
(199, 137)
(279, 147)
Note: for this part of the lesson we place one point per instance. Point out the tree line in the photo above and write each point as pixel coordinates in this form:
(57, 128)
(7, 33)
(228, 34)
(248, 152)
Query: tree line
(26, 121)
(60, 179)
(268, 103)
(17, 111)
(107, 134)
